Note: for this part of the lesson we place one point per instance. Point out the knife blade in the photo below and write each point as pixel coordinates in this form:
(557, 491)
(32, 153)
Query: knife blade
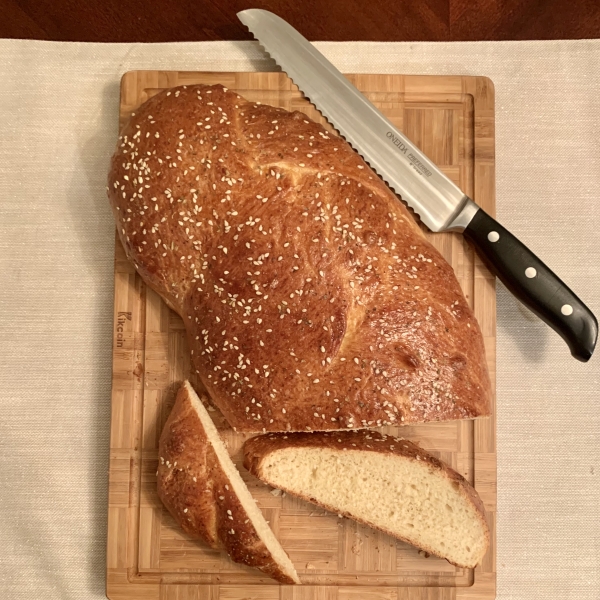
(440, 204)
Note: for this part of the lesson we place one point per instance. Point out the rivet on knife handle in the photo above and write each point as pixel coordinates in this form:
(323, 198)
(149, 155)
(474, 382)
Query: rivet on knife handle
(534, 284)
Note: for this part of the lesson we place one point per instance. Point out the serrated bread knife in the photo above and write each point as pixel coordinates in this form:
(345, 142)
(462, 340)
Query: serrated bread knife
(441, 205)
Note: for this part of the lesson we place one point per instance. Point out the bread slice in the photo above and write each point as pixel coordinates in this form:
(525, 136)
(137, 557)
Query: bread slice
(202, 489)
(385, 482)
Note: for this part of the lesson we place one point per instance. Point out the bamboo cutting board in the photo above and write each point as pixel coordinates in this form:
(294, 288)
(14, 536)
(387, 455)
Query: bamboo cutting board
(452, 120)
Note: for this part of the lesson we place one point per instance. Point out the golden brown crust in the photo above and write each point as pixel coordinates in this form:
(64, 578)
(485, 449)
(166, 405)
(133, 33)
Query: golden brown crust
(257, 449)
(199, 495)
(311, 298)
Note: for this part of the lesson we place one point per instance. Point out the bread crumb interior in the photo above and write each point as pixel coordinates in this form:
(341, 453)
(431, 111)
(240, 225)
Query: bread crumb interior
(239, 488)
(408, 499)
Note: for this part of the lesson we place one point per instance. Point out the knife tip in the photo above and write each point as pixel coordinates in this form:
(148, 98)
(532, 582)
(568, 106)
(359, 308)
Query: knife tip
(246, 16)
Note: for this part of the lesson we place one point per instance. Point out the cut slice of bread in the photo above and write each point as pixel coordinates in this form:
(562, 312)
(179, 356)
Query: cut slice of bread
(385, 482)
(202, 489)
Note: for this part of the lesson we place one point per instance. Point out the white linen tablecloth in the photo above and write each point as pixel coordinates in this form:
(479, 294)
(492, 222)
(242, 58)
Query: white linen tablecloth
(58, 124)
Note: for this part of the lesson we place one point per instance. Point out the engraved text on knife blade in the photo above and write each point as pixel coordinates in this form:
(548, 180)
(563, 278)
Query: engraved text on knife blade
(415, 163)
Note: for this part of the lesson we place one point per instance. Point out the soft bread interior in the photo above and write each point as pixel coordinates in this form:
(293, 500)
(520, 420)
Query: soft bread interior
(239, 487)
(397, 494)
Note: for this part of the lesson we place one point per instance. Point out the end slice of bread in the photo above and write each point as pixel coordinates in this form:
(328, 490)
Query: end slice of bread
(202, 489)
(388, 483)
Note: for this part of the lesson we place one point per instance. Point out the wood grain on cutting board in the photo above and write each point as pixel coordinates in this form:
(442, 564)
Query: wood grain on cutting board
(452, 120)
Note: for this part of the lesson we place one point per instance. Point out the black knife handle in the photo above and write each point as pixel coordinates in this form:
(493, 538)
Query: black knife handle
(534, 284)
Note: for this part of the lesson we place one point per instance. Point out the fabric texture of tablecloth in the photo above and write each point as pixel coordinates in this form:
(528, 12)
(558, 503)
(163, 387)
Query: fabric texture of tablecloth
(58, 125)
